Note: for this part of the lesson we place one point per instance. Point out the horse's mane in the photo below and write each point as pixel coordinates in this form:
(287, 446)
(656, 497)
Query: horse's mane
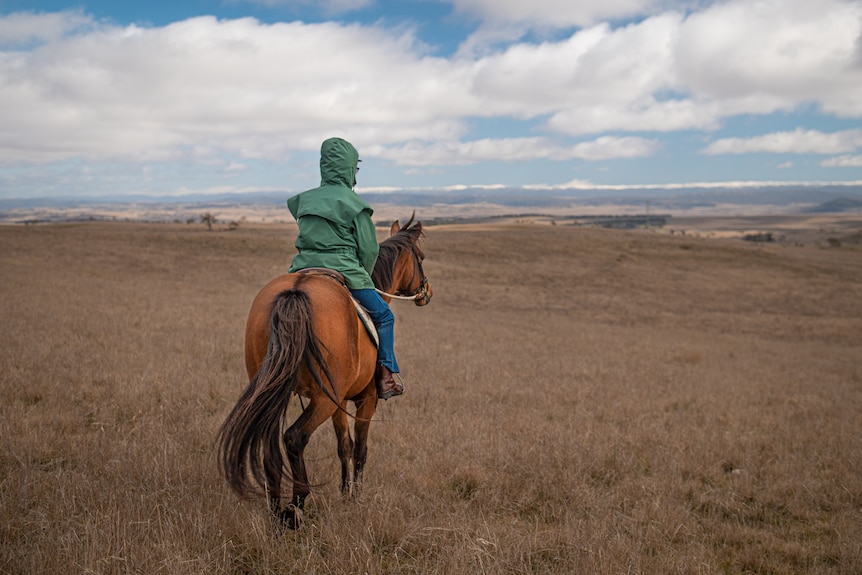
(407, 238)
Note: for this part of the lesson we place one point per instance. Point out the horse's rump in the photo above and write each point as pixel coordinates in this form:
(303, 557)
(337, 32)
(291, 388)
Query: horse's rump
(334, 316)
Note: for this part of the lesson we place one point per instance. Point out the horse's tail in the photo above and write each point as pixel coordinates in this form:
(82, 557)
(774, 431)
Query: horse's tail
(250, 443)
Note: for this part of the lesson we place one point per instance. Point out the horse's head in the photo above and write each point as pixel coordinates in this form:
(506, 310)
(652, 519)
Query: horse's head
(399, 265)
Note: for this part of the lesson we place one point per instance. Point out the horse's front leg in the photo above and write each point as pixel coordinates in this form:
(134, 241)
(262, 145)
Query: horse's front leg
(365, 408)
(345, 446)
(295, 439)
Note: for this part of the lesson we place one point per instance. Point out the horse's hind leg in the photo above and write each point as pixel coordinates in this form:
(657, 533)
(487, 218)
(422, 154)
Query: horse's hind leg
(365, 408)
(273, 492)
(345, 446)
(295, 439)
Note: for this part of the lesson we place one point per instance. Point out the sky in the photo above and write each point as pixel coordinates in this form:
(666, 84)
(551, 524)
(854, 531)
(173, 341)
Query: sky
(100, 98)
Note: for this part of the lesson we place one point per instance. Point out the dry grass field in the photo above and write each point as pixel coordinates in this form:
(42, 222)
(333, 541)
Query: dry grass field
(579, 401)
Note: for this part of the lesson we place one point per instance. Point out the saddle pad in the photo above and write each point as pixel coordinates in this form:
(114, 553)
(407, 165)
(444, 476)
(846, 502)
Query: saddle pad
(366, 321)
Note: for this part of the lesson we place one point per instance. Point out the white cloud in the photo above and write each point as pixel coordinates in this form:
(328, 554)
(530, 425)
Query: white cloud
(688, 186)
(593, 69)
(798, 141)
(843, 162)
(673, 72)
(199, 86)
(204, 89)
(558, 13)
(22, 28)
(758, 57)
(514, 150)
(608, 147)
(236, 167)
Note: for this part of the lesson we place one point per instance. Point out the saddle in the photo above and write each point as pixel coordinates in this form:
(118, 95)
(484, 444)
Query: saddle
(360, 311)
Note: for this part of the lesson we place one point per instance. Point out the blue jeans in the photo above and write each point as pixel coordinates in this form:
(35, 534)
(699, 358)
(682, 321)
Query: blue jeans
(384, 321)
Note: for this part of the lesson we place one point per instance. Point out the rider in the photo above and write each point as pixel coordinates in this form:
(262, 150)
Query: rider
(336, 232)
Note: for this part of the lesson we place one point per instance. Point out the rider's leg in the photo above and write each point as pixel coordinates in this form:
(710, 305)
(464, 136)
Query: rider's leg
(384, 321)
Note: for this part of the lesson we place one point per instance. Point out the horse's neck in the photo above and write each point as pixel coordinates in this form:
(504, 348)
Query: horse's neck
(398, 275)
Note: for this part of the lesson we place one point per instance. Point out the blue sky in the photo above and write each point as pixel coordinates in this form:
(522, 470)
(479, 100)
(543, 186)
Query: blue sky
(106, 98)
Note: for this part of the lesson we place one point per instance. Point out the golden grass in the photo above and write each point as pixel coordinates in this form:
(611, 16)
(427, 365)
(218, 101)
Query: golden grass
(579, 401)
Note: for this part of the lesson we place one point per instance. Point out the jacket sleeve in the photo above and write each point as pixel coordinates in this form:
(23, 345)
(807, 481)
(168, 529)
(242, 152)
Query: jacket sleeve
(366, 240)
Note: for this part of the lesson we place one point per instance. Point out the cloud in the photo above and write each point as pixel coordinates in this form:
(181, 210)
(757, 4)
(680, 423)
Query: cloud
(688, 186)
(515, 150)
(759, 57)
(608, 147)
(558, 13)
(204, 90)
(200, 86)
(675, 71)
(595, 68)
(23, 28)
(798, 141)
(843, 162)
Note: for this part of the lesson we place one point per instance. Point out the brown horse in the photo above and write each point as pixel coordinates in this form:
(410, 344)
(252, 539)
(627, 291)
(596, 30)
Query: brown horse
(304, 337)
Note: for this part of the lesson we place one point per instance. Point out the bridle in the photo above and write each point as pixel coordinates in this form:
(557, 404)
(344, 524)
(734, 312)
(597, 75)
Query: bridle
(420, 294)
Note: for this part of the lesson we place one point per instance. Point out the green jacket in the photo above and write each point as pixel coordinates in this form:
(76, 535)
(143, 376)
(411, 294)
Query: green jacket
(335, 227)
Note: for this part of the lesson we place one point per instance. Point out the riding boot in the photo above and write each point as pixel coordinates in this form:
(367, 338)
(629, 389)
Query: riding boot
(387, 384)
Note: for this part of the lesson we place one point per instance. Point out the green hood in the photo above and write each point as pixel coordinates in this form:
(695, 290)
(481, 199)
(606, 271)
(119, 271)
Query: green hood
(338, 161)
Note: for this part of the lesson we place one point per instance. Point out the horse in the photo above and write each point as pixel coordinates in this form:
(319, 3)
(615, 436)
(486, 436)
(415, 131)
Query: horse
(304, 337)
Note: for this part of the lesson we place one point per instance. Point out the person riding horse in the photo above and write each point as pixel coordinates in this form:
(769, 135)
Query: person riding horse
(336, 232)
(303, 337)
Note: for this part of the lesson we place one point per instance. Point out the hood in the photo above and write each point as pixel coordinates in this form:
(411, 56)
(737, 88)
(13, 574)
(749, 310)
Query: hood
(338, 161)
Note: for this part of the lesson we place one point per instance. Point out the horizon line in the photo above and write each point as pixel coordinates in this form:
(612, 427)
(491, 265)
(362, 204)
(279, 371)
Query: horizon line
(572, 185)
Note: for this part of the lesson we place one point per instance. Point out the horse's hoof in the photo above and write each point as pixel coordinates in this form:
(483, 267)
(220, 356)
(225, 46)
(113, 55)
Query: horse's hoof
(291, 517)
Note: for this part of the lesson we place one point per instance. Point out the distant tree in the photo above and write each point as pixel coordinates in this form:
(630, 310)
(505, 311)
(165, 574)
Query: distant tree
(759, 237)
(209, 220)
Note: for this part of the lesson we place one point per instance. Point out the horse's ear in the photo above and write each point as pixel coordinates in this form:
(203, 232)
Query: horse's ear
(396, 227)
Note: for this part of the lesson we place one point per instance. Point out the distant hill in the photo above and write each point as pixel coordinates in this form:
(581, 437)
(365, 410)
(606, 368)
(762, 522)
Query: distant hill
(837, 205)
(466, 201)
(660, 198)
(830, 196)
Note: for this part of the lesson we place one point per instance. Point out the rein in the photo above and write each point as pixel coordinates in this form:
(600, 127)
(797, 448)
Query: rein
(394, 296)
(419, 292)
